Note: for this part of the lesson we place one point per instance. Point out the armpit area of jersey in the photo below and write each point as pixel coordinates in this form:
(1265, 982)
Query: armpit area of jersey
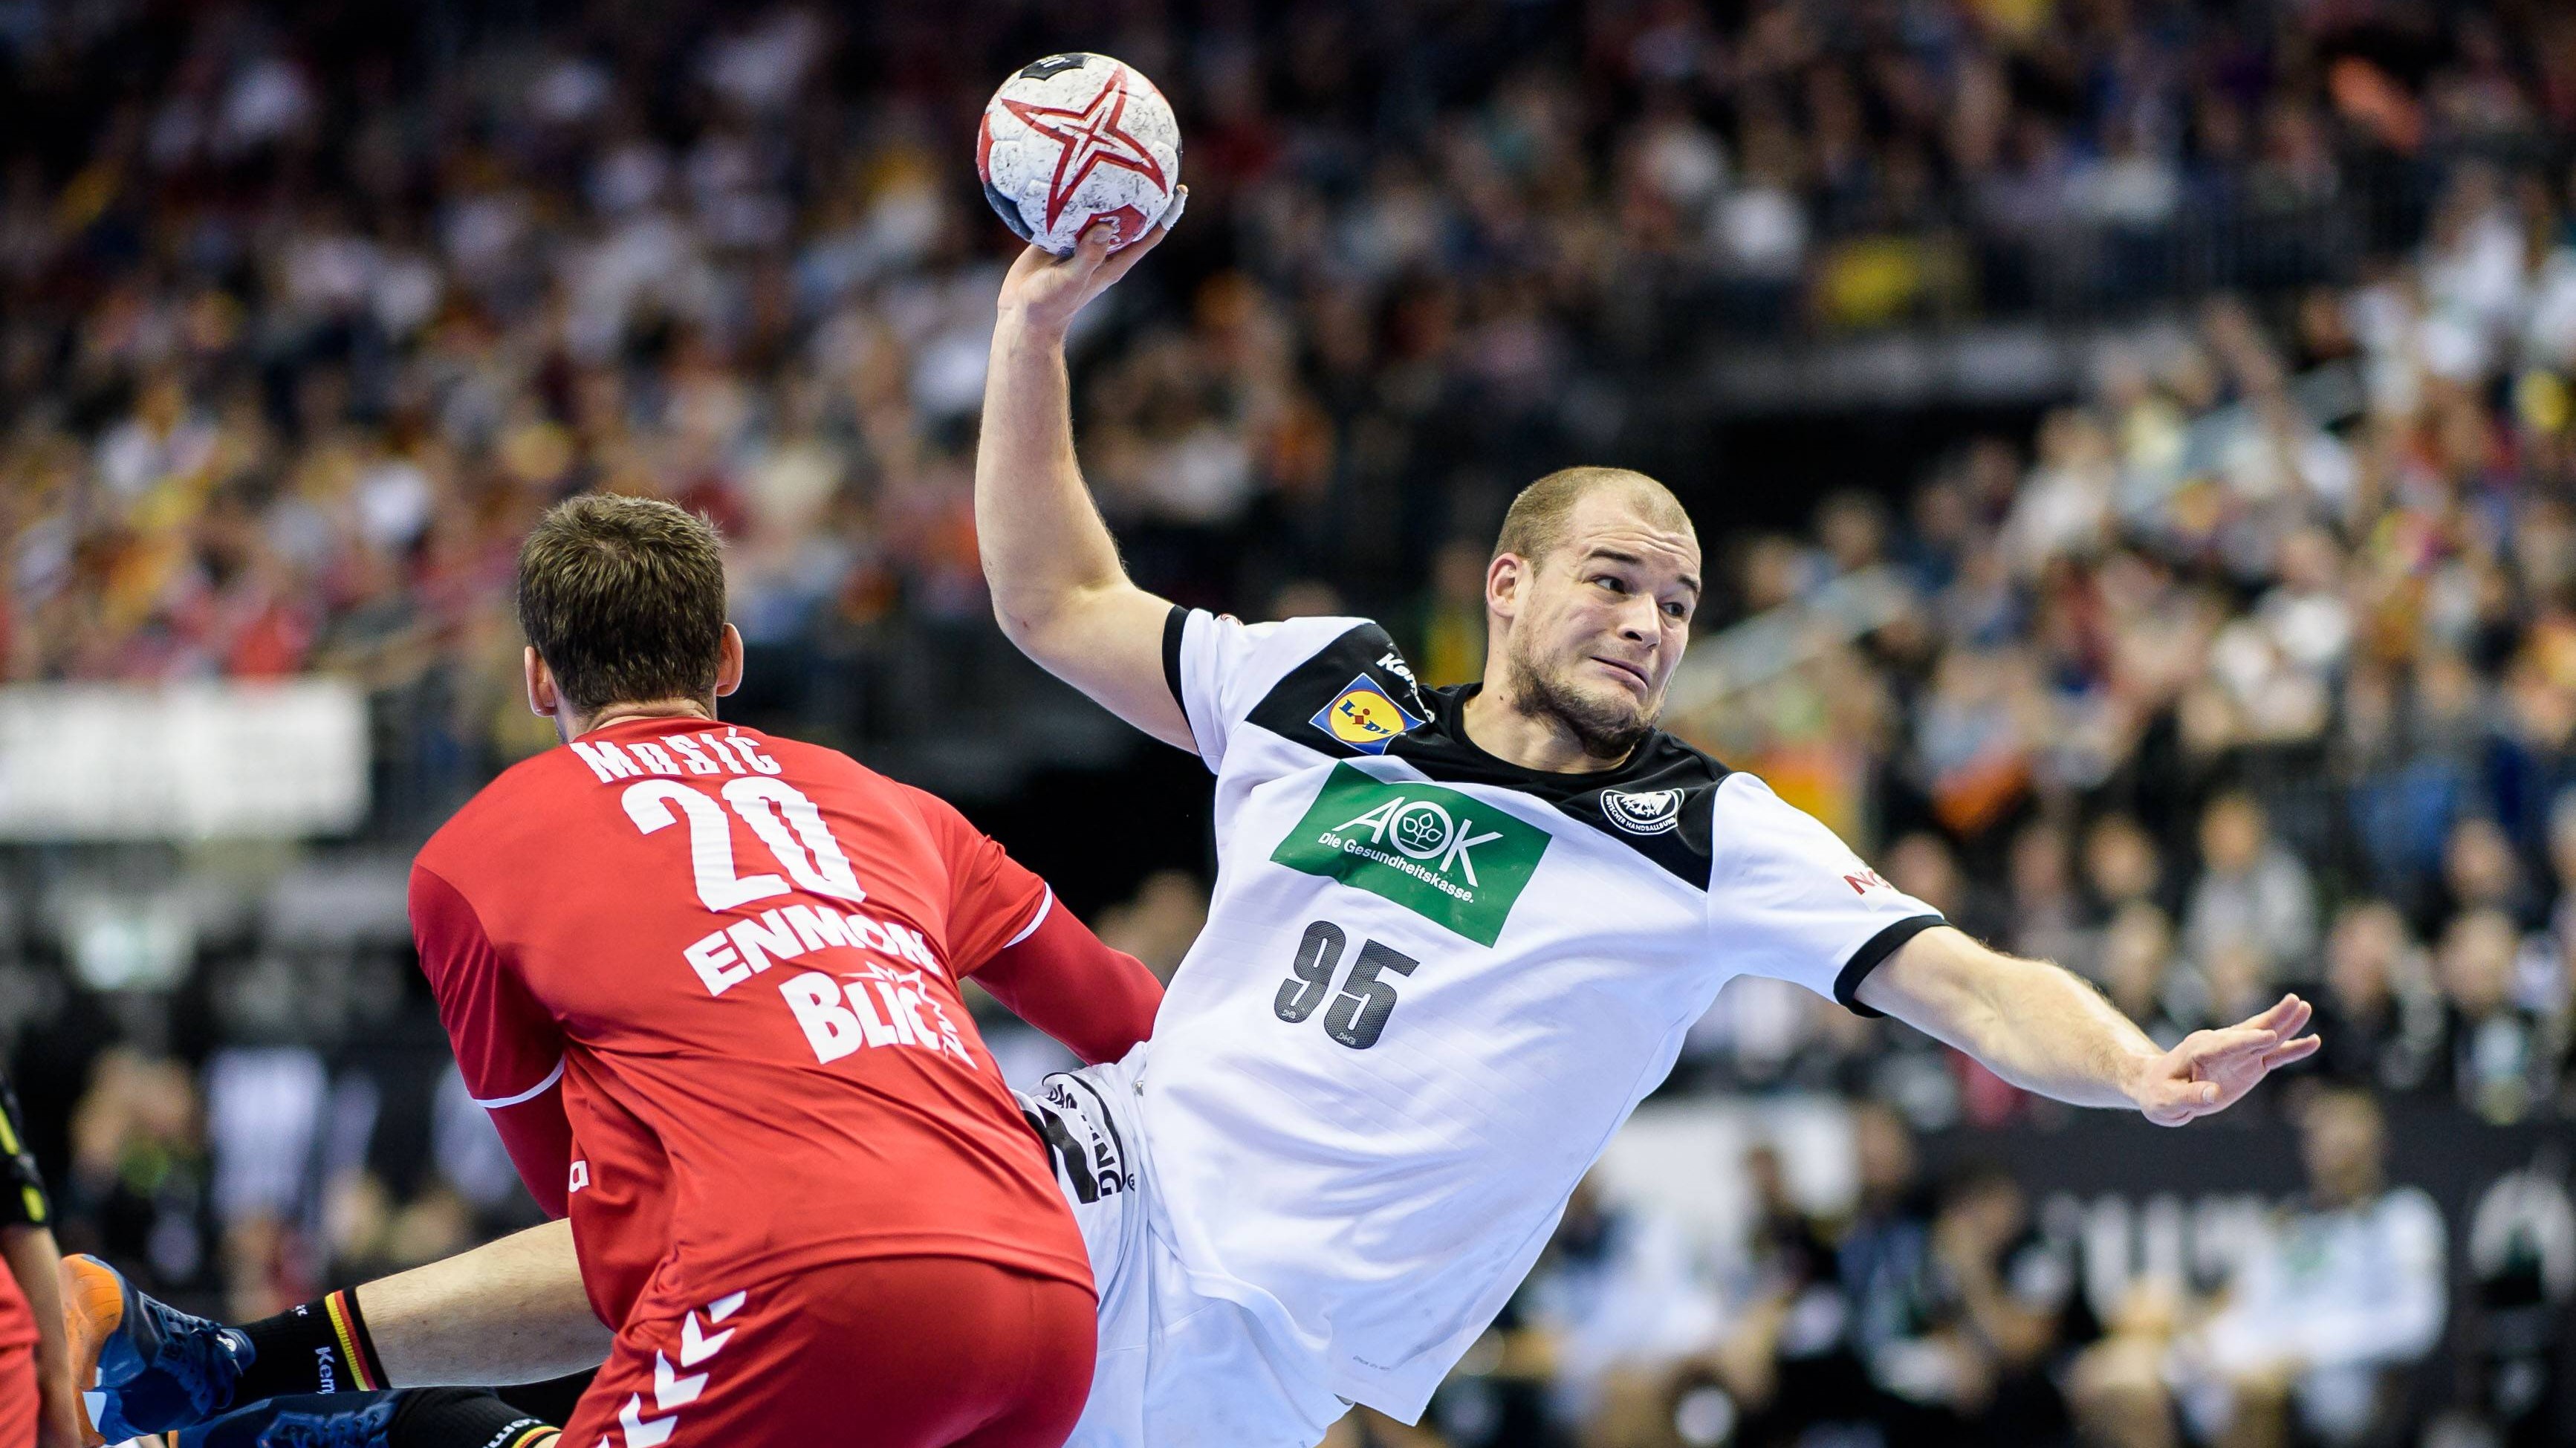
(22, 1188)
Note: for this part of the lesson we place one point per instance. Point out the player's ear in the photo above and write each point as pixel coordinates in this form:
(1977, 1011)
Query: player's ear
(729, 662)
(542, 700)
(1505, 579)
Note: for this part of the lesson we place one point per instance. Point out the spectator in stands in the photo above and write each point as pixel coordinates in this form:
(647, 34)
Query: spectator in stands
(140, 1189)
(2252, 893)
(2014, 1306)
(2381, 1018)
(1614, 1305)
(2137, 970)
(1925, 861)
(2121, 864)
(2562, 872)
(2345, 1293)
(2482, 872)
(1789, 1356)
(1927, 1375)
(2048, 915)
(2506, 1041)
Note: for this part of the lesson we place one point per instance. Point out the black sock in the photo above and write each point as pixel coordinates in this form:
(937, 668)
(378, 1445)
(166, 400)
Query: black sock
(319, 1347)
(463, 1418)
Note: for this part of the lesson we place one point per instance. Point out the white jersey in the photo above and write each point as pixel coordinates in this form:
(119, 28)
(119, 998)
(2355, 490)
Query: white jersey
(1433, 983)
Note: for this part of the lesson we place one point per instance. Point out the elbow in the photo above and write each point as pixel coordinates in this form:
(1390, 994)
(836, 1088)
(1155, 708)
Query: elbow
(1027, 623)
(1015, 622)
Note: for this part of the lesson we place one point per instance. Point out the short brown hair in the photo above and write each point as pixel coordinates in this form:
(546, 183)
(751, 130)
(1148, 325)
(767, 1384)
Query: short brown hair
(624, 598)
(1536, 522)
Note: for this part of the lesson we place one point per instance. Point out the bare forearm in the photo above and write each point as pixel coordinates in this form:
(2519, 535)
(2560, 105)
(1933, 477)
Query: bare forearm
(2030, 1022)
(33, 1258)
(1043, 541)
(2043, 1030)
(510, 1311)
(1058, 588)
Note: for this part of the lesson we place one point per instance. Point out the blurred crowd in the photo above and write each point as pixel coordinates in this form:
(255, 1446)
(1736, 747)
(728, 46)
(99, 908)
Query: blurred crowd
(306, 309)
(2251, 668)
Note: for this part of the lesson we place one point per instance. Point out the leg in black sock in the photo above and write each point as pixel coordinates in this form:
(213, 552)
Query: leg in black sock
(464, 1418)
(319, 1347)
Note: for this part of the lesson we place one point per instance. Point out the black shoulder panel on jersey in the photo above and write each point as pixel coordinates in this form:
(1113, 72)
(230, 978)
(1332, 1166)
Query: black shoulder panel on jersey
(22, 1189)
(1661, 803)
(1299, 707)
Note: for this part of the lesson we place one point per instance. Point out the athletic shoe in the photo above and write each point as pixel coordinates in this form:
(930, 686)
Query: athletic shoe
(144, 1367)
(319, 1420)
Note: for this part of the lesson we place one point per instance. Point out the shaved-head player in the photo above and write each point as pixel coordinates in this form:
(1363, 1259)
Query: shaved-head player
(1456, 936)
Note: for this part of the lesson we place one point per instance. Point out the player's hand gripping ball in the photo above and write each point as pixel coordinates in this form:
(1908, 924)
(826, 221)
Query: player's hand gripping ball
(1074, 138)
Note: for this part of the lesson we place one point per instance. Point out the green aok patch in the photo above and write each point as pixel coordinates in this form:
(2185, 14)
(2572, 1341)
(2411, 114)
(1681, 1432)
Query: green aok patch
(1441, 854)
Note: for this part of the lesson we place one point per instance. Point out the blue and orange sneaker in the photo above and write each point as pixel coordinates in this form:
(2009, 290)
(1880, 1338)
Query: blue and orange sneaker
(322, 1420)
(143, 1366)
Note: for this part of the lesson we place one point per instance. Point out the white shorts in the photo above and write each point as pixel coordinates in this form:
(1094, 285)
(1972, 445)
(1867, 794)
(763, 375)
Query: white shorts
(1178, 1368)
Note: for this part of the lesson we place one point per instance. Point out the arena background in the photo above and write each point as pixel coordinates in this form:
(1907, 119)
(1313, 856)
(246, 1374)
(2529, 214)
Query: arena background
(2131, 438)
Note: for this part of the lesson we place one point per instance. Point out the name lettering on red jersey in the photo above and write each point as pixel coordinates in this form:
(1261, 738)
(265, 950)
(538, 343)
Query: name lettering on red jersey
(727, 753)
(729, 956)
(842, 1016)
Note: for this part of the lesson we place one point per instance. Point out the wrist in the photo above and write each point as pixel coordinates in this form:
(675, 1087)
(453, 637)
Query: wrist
(1014, 328)
(2138, 1072)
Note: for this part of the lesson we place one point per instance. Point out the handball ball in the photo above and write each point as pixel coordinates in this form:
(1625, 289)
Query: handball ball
(1074, 138)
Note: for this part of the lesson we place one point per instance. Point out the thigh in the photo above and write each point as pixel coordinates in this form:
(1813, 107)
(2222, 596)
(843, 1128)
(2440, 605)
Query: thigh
(910, 1352)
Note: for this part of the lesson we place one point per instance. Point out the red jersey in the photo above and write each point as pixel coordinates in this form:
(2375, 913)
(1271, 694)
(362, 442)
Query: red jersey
(741, 956)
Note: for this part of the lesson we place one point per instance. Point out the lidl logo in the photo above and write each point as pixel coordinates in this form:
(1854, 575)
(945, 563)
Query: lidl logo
(1450, 857)
(1363, 717)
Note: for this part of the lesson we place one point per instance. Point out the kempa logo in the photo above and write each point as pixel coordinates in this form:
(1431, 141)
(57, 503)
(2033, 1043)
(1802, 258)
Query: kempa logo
(1448, 856)
(1645, 811)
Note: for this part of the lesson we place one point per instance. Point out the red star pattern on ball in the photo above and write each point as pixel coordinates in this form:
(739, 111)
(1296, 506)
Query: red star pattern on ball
(1091, 137)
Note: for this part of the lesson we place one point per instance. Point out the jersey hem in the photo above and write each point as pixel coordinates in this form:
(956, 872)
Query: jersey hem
(691, 1283)
(1874, 953)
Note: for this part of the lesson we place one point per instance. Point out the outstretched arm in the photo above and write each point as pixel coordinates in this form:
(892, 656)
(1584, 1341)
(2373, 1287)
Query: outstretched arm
(510, 1311)
(2040, 1028)
(1058, 587)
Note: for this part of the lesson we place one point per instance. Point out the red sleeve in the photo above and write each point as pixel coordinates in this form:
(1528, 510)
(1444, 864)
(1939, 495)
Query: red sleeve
(1063, 980)
(507, 1047)
(992, 899)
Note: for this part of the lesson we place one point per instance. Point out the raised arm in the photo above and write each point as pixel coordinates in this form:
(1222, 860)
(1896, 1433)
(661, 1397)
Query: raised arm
(2042, 1029)
(1058, 587)
(28, 1253)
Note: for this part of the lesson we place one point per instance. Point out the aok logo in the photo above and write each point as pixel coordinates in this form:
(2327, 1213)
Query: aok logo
(1456, 859)
(1423, 829)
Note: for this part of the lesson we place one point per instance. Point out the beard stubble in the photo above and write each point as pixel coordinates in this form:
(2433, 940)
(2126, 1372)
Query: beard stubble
(1605, 731)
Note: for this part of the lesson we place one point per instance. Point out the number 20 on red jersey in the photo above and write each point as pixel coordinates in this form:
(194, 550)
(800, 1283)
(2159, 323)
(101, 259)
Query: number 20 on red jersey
(885, 1004)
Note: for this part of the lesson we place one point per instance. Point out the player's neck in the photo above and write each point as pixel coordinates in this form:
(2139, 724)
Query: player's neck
(1493, 724)
(575, 726)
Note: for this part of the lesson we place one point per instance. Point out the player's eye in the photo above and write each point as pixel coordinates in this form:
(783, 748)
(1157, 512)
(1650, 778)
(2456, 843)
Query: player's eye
(1611, 581)
(1676, 610)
